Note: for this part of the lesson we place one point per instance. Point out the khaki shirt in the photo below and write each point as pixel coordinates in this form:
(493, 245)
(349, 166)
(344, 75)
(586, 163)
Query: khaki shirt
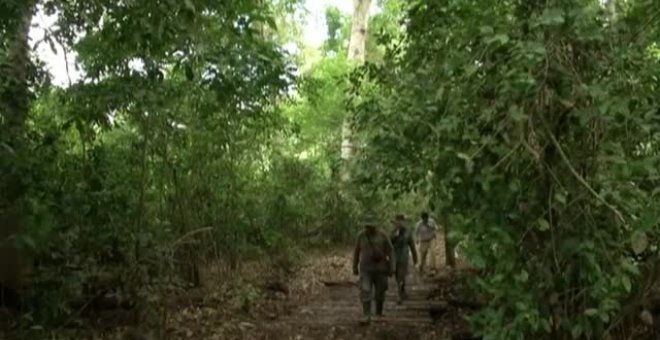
(426, 231)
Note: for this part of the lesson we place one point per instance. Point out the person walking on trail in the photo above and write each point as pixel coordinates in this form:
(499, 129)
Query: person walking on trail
(426, 233)
(373, 262)
(404, 244)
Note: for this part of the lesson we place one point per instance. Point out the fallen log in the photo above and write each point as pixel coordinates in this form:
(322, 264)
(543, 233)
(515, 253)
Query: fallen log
(339, 283)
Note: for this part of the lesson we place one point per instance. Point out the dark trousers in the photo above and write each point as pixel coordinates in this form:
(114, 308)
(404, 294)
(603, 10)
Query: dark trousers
(401, 274)
(373, 286)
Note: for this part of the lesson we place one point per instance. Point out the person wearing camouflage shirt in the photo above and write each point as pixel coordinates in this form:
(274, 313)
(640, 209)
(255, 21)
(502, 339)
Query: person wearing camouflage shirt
(373, 261)
(403, 243)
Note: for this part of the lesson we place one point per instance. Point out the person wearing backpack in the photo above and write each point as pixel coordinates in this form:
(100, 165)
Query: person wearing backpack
(404, 244)
(373, 261)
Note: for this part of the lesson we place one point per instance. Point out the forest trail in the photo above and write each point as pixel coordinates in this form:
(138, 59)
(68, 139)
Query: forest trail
(335, 314)
(334, 311)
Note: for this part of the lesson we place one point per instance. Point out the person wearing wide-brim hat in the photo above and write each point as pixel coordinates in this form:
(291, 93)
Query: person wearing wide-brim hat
(373, 260)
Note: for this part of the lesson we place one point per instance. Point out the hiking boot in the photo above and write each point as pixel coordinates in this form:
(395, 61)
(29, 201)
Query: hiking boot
(366, 308)
(366, 313)
(365, 319)
(379, 307)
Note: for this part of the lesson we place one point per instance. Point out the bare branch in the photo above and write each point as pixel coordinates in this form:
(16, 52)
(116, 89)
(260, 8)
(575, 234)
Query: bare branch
(579, 178)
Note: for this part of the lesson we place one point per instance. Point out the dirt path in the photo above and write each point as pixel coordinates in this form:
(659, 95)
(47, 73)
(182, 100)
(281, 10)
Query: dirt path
(335, 313)
(319, 300)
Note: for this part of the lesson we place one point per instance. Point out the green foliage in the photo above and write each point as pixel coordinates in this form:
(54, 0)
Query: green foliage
(174, 150)
(525, 122)
(320, 107)
(247, 295)
(529, 128)
(338, 25)
(385, 27)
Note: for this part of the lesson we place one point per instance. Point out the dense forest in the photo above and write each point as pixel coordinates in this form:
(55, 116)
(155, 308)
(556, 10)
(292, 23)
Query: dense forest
(205, 134)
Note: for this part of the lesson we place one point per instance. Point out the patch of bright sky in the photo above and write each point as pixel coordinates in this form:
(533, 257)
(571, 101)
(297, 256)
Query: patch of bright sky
(314, 34)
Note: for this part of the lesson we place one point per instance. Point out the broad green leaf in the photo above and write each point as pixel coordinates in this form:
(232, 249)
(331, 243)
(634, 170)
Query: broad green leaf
(463, 156)
(500, 38)
(190, 5)
(546, 324)
(625, 281)
(486, 30)
(629, 267)
(604, 316)
(522, 277)
(439, 95)
(591, 312)
(536, 48)
(560, 197)
(471, 69)
(576, 331)
(639, 241)
(516, 113)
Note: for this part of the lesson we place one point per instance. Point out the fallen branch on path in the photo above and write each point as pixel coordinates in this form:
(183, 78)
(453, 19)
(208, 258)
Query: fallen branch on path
(338, 283)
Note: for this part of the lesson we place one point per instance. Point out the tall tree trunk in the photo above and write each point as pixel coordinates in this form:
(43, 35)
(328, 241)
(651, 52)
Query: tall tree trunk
(444, 221)
(357, 46)
(14, 105)
(611, 8)
(450, 255)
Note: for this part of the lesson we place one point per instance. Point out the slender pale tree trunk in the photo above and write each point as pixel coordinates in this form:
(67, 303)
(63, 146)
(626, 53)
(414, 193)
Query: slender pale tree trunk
(357, 46)
(611, 8)
(14, 106)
